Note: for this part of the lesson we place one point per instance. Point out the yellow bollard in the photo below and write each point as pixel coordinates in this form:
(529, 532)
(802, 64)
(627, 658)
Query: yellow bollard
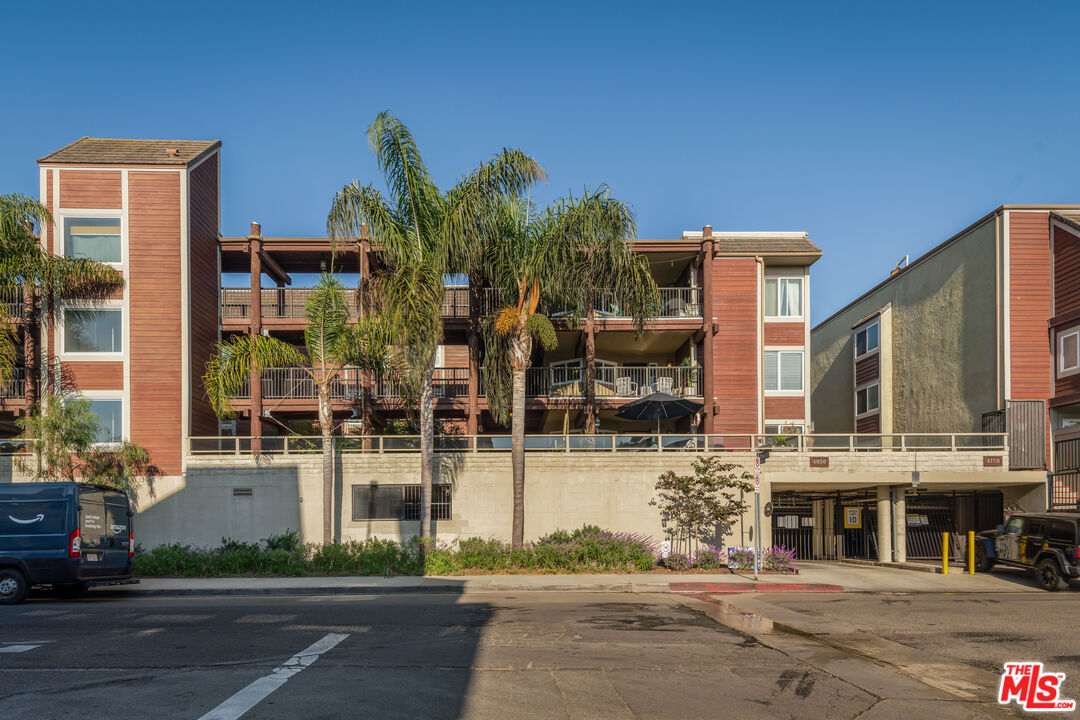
(945, 553)
(971, 552)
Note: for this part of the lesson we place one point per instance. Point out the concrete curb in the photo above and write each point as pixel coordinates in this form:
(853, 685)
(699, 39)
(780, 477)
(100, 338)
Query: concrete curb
(917, 567)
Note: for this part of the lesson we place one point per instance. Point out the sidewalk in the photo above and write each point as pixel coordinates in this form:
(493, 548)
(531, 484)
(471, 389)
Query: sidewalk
(813, 577)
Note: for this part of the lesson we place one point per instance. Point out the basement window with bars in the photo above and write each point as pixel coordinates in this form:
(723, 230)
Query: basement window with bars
(784, 370)
(398, 502)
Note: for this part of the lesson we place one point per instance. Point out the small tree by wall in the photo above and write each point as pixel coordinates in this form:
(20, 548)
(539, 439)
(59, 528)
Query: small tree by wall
(694, 507)
(60, 437)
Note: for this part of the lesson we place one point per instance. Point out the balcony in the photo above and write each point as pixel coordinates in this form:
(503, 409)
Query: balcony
(11, 300)
(613, 381)
(296, 384)
(289, 303)
(446, 382)
(15, 386)
(276, 303)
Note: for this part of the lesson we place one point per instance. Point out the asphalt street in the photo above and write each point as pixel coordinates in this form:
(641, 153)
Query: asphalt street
(526, 655)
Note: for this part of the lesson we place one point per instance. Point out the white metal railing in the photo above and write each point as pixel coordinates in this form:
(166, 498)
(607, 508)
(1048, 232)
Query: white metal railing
(625, 442)
(11, 300)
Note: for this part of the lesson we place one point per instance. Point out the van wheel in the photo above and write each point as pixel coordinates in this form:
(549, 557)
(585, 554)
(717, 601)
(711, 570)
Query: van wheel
(70, 590)
(982, 562)
(13, 587)
(1049, 576)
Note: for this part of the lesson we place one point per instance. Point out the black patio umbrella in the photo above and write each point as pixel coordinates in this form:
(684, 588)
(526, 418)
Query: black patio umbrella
(658, 406)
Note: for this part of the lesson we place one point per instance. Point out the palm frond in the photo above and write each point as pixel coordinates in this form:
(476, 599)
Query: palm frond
(235, 359)
(539, 326)
(327, 313)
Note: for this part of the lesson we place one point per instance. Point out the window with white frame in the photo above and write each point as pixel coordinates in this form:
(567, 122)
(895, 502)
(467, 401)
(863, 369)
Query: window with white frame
(94, 238)
(110, 419)
(93, 330)
(783, 297)
(868, 399)
(1069, 351)
(784, 370)
(866, 340)
(785, 429)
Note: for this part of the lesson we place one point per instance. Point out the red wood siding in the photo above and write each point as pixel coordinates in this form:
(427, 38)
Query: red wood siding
(92, 189)
(735, 345)
(1066, 271)
(456, 356)
(155, 302)
(777, 333)
(866, 369)
(1029, 305)
(92, 375)
(785, 408)
(203, 199)
(869, 424)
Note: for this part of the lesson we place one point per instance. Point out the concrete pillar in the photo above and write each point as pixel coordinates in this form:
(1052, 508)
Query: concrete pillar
(900, 523)
(817, 508)
(884, 523)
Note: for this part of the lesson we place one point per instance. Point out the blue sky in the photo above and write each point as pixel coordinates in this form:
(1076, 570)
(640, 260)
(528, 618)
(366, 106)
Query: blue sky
(880, 129)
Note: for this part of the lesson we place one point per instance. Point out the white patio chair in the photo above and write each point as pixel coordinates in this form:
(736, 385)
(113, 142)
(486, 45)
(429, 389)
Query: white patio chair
(665, 384)
(625, 387)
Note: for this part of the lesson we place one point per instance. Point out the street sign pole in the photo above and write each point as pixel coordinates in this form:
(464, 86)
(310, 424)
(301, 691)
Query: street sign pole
(757, 514)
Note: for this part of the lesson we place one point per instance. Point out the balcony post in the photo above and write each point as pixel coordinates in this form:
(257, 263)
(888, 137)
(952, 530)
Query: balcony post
(472, 423)
(255, 323)
(30, 353)
(707, 363)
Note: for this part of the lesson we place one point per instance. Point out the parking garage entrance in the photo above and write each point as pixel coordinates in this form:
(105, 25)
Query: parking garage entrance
(835, 525)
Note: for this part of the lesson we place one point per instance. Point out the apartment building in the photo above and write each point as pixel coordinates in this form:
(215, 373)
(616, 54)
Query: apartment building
(978, 334)
(731, 331)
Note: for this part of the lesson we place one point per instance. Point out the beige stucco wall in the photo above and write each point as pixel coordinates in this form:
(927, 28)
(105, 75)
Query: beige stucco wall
(943, 349)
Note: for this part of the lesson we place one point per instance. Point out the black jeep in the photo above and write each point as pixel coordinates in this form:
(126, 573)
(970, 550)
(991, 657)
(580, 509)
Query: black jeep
(1044, 542)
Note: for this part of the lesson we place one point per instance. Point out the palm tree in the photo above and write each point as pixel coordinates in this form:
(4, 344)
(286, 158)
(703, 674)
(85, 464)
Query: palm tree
(42, 278)
(424, 234)
(332, 342)
(561, 256)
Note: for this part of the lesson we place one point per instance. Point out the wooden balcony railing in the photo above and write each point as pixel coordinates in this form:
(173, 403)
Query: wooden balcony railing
(613, 381)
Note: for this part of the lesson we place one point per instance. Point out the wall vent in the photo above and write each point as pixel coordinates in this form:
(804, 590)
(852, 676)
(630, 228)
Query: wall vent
(242, 492)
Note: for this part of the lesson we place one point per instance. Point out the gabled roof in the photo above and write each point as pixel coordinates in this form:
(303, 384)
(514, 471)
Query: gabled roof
(108, 151)
(758, 243)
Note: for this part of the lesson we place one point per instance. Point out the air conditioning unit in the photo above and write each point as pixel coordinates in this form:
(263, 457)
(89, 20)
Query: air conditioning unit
(352, 427)
(228, 428)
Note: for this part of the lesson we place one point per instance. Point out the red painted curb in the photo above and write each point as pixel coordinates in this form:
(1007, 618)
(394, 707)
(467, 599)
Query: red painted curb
(692, 587)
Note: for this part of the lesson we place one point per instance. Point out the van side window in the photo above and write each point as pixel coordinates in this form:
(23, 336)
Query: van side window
(1063, 531)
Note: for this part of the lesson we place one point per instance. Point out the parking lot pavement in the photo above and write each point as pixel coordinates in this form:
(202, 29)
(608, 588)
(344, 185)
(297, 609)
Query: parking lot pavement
(531, 655)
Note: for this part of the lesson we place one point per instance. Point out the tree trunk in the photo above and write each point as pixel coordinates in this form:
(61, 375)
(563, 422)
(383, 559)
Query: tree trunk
(427, 448)
(589, 378)
(521, 350)
(326, 424)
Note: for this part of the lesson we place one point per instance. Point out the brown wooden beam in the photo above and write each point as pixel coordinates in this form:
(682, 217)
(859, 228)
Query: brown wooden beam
(275, 271)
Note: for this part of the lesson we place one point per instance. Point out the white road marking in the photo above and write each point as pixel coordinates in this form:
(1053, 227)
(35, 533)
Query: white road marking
(254, 693)
(17, 648)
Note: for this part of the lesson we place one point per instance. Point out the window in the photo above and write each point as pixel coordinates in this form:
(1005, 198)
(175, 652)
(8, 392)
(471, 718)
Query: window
(1015, 526)
(1063, 531)
(96, 330)
(110, 415)
(867, 399)
(783, 297)
(784, 370)
(93, 238)
(1069, 351)
(1036, 528)
(785, 429)
(866, 340)
(398, 502)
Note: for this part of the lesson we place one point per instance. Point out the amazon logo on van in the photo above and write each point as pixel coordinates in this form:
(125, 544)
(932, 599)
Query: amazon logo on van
(37, 518)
